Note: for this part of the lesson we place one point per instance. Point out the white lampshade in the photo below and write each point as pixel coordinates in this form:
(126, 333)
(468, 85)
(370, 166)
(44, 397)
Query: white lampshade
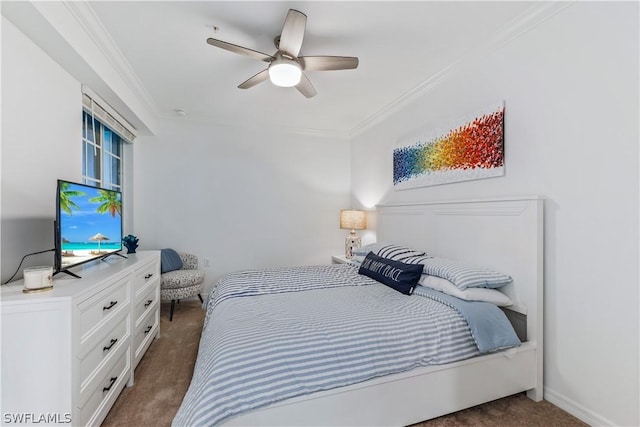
(353, 220)
(285, 72)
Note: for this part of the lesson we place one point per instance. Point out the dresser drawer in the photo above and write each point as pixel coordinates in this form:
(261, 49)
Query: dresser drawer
(100, 354)
(144, 334)
(146, 274)
(145, 302)
(98, 309)
(101, 397)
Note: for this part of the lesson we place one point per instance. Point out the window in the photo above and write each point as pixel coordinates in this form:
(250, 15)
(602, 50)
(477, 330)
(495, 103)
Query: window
(101, 154)
(104, 133)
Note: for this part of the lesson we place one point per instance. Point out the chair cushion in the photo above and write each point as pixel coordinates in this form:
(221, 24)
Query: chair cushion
(181, 279)
(169, 260)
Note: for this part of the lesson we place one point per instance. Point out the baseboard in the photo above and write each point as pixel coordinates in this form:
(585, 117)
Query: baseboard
(575, 409)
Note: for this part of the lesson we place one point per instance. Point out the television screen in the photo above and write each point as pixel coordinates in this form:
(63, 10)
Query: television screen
(88, 224)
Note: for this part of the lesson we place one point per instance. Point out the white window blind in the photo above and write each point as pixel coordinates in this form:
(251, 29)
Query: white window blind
(95, 106)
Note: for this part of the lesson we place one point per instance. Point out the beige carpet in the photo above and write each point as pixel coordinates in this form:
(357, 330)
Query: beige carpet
(164, 373)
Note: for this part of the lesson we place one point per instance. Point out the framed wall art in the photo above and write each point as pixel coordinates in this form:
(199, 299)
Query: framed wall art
(470, 148)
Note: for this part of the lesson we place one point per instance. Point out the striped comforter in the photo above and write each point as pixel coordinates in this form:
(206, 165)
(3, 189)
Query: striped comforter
(273, 334)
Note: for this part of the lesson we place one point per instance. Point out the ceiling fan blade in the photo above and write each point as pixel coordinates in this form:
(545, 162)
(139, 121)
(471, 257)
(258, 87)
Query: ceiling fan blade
(305, 87)
(241, 50)
(326, 63)
(292, 33)
(254, 80)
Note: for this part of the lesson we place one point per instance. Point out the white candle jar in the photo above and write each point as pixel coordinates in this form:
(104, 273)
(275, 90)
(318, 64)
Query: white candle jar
(38, 278)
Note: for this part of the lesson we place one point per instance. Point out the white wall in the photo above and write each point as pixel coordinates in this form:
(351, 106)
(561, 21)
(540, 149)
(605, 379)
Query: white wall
(41, 142)
(571, 135)
(243, 198)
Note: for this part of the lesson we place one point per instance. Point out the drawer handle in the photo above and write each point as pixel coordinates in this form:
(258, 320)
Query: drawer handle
(110, 305)
(148, 276)
(113, 341)
(148, 303)
(146, 331)
(113, 380)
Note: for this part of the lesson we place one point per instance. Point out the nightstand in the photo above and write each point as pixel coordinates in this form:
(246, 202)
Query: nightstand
(339, 259)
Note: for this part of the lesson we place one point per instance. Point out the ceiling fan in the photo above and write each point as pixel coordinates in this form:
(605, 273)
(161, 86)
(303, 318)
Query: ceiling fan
(286, 68)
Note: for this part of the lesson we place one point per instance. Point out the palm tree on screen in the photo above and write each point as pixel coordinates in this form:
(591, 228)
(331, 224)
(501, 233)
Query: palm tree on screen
(66, 204)
(109, 202)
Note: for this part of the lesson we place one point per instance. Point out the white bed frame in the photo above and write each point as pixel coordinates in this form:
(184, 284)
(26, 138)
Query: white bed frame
(505, 234)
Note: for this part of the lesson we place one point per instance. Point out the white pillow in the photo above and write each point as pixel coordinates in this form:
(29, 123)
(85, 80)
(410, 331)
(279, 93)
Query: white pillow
(470, 294)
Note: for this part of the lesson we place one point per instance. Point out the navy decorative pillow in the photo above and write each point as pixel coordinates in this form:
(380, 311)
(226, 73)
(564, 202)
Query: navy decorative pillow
(395, 274)
(169, 260)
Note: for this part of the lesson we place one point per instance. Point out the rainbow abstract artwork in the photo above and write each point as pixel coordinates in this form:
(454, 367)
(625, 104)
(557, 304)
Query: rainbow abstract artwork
(471, 150)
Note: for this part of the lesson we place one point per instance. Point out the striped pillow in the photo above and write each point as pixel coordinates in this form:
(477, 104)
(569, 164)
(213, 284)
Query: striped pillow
(386, 250)
(414, 259)
(394, 252)
(464, 275)
(399, 253)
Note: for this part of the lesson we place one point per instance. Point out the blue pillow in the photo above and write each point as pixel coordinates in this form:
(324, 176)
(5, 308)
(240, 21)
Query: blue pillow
(169, 260)
(395, 274)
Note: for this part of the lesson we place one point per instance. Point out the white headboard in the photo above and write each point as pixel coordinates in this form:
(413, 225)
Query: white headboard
(505, 234)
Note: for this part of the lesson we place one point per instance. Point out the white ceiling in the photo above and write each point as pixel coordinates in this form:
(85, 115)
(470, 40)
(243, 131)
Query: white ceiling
(403, 47)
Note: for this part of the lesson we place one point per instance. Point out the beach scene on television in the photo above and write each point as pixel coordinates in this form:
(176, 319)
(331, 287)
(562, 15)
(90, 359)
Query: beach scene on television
(90, 222)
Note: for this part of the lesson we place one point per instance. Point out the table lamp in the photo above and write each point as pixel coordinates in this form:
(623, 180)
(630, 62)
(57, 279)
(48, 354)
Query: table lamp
(352, 220)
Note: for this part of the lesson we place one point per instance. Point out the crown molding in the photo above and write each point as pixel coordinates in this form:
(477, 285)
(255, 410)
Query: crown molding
(525, 22)
(87, 19)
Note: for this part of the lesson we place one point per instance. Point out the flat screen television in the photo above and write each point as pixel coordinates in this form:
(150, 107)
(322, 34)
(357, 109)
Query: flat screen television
(88, 224)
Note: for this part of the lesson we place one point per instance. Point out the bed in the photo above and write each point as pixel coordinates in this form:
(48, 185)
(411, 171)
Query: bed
(367, 388)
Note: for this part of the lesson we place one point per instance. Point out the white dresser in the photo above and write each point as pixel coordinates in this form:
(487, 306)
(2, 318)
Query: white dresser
(67, 353)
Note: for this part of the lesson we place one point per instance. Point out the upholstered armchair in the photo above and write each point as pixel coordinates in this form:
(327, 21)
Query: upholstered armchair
(182, 283)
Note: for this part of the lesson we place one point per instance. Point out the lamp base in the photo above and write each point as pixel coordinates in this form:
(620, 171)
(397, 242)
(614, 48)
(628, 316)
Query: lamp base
(352, 242)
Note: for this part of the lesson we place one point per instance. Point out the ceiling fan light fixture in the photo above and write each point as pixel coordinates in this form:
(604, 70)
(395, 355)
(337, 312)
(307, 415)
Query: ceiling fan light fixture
(285, 72)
